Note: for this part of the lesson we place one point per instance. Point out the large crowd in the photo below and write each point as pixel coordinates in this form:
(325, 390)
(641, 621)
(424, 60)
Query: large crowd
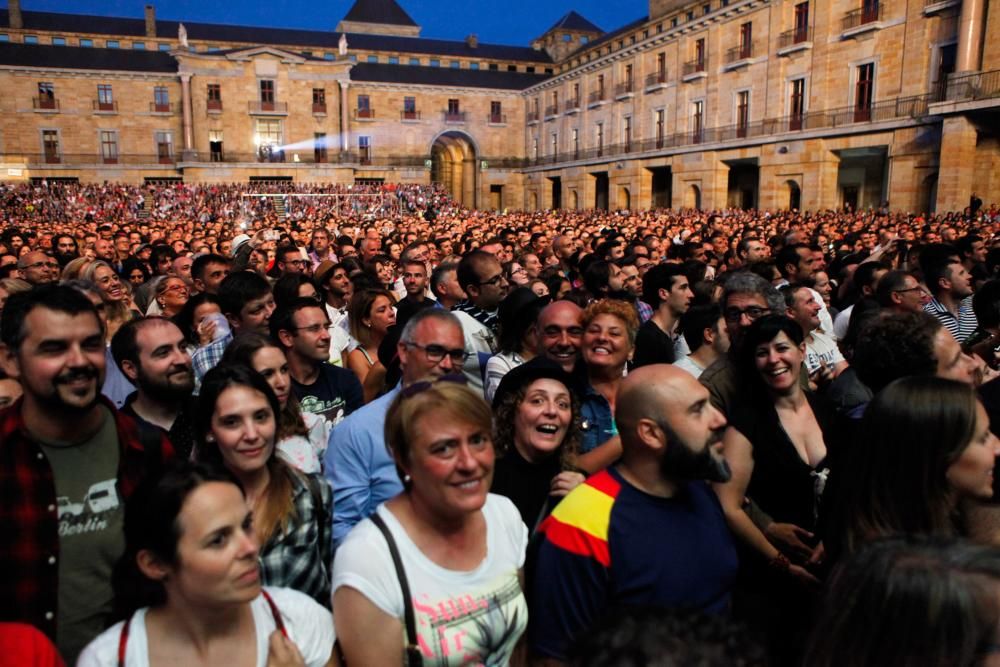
(285, 424)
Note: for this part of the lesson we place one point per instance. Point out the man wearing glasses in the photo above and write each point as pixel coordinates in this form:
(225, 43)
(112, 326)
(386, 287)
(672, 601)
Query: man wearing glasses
(481, 276)
(38, 268)
(357, 462)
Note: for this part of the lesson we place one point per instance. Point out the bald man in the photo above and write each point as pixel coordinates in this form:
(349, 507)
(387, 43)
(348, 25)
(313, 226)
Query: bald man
(647, 531)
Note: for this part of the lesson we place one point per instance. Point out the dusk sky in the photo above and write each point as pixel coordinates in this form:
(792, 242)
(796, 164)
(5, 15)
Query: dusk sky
(513, 22)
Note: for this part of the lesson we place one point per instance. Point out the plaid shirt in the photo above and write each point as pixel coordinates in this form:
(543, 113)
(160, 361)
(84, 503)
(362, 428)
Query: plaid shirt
(208, 357)
(29, 552)
(300, 558)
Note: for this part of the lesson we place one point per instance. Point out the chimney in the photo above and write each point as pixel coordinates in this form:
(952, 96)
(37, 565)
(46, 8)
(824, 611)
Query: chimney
(472, 41)
(14, 14)
(151, 21)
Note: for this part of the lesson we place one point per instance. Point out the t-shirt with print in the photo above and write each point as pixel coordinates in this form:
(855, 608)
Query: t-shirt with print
(463, 618)
(335, 394)
(90, 533)
(821, 347)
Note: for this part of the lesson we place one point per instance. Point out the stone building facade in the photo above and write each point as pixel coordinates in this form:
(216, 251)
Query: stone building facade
(713, 103)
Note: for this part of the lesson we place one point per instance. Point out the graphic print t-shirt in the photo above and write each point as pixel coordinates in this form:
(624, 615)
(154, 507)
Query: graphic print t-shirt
(335, 394)
(90, 533)
(463, 618)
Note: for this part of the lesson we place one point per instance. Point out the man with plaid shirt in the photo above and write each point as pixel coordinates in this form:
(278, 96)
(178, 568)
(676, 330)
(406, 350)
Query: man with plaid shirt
(68, 460)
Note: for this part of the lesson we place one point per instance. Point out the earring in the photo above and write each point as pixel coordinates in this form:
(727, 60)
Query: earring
(209, 438)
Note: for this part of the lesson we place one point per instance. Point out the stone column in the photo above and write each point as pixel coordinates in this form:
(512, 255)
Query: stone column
(957, 165)
(970, 36)
(188, 153)
(345, 133)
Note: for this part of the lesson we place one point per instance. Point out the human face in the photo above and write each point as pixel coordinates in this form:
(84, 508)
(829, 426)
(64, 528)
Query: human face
(560, 330)
(110, 285)
(136, 277)
(174, 296)
(631, 280)
(255, 314)
(105, 250)
(779, 363)
(539, 288)
(978, 253)
(320, 243)
(971, 474)
(605, 343)
(39, 268)
(61, 361)
(10, 391)
(912, 296)
(338, 283)
(270, 362)
(381, 316)
(616, 280)
(384, 273)
(164, 371)
(203, 311)
(415, 281)
(680, 295)
(243, 427)
(823, 286)
(532, 265)
(807, 265)
(311, 338)
(65, 245)
(542, 419)
(451, 466)
(960, 281)
(217, 552)
(693, 430)
(437, 335)
(952, 362)
(182, 269)
(805, 311)
(492, 286)
(741, 309)
(756, 252)
(292, 262)
(518, 276)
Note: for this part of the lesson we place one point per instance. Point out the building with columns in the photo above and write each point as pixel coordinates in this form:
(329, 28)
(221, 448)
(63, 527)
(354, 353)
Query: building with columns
(711, 103)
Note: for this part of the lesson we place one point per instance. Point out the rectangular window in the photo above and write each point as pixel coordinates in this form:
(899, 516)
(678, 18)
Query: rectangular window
(660, 127)
(393, 60)
(164, 146)
(364, 107)
(365, 150)
(319, 100)
(511, 68)
(530, 69)
(600, 139)
(215, 96)
(435, 62)
(628, 78)
(797, 104)
(50, 146)
(576, 96)
(494, 67)
(373, 59)
(496, 111)
(453, 106)
(864, 91)
(46, 95)
(697, 121)
(4, 37)
(699, 54)
(801, 22)
(319, 146)
(163, 47)
(410, 108)
(473, 65)
(215, 145)
(555, 143)
(327, 55)
(600, 86)
(33, 39)
(575, 136)
(109, 146)
(706, 9)
(742, 113)
(746, 40)
(268, 140)
(869, 11)
(113, 44)
(661, 67)
(454, 64)
(161, 99)
(267, 93)
(415, 61)
(86, 42)
(534, 147)
(61, 41)
(105, 97)
(139, 46)
(627, 133)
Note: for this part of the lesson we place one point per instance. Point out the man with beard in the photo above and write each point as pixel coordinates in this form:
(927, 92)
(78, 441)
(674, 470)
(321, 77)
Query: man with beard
(68, 460)
(598, 550)
(302, 331)
(65, 249)
(152, 354)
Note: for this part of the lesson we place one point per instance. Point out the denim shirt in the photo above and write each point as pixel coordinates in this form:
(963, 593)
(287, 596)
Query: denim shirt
(598, 424)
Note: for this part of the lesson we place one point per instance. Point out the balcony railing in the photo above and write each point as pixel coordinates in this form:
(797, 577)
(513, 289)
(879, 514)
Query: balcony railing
(973, 86)
(260, 106)
(694, 67)
(213, 105)
(319, 107)
(531, 117)
(496, 119)
(596, 97)
(624, 88)
(409, 115)
(45, 102)
(794, 36)
(572, 105)
(552, 110)
(109, 105)
(454, 116)
(656, 79)
(870, 13)
(163, 107)
(87, 158)
(367, 113)
(741, 52)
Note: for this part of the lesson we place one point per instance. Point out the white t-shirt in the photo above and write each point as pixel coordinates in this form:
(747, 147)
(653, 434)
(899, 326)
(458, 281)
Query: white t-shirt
(463, 618)
(308, 624)
(821, 347)
(305, 452)
(688, 364)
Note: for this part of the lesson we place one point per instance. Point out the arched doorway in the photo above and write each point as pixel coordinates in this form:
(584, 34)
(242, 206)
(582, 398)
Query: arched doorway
(453, 164)
(625, 200)
(693, 198)
(794, 195)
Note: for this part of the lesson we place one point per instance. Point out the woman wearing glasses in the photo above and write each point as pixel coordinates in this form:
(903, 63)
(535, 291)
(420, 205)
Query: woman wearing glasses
(434, 573)
(236, 426)
(171, 295)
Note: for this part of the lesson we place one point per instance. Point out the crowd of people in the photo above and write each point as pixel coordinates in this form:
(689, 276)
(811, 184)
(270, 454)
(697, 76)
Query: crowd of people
(362, 425)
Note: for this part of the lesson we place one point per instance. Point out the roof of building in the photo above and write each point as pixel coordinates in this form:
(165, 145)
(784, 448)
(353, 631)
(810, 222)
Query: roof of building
(77, 57)
(102, 25)
(444, 76)
(573, 21)
(618, 32)
(378, 11)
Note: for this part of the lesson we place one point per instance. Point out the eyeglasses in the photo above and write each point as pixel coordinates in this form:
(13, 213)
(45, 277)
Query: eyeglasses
(436, 353)
(313, 328)
(412, 390)
(495, 280)
(38, 265)
(176, 288)
(752, 313)
(922, 290)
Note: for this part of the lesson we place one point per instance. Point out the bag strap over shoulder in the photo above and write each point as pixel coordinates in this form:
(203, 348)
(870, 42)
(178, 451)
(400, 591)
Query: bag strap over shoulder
(414, 658)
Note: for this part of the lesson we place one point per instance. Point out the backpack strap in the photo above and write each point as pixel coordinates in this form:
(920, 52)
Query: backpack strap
(123, 641)
(414, 658)
(274, 612)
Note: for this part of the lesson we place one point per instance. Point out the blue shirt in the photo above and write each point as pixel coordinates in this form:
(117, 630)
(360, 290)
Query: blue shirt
(359, 466)
(598, 423)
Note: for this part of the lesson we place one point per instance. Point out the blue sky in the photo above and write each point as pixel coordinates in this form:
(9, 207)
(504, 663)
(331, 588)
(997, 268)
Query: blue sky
(514, 22)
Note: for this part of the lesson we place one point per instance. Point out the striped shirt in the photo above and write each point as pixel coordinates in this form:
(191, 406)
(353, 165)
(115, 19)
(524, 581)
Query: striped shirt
(960, 327)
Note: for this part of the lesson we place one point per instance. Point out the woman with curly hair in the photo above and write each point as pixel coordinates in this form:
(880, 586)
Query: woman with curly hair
(537, 436)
